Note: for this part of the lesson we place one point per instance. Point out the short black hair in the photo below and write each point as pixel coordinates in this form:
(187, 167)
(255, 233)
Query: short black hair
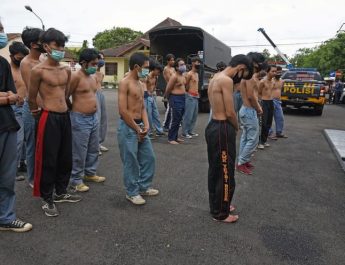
(177, 61)
(137, 58)
(169, 56)
(18, 47)
(242, 59)
(87, 55)
(270, 66)
(155, 65)
(31, 35)
(99, 55)
(220, 65)
(196, 59)
(256, 57)
(53, 35)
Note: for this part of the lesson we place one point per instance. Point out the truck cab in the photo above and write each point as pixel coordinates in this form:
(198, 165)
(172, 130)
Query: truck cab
(186, 42)
(303, 87)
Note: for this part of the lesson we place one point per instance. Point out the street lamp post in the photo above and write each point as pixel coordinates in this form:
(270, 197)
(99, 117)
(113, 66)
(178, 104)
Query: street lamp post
(30, 9)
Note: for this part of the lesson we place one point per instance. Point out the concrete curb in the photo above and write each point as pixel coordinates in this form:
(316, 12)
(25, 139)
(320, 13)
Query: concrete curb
(336, 139)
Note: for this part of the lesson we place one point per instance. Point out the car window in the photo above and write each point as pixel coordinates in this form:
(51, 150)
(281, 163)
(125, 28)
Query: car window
(302, 76)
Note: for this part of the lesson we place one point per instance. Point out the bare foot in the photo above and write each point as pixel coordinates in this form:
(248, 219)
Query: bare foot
(173, 142)
(232, 208)
(229, 219)
(180, 140)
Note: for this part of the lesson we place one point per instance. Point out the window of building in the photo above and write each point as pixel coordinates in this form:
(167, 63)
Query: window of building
(110, 68)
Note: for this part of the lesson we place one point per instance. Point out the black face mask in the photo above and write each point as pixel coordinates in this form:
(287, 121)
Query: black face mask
(236, 78)
(197, 66)
(278, 76)
(15, 61)
(40, 48)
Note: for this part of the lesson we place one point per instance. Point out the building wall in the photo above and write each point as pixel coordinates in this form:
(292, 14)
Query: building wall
(4, 52)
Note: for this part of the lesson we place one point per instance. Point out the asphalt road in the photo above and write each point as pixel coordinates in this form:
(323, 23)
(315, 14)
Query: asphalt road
(292, 210)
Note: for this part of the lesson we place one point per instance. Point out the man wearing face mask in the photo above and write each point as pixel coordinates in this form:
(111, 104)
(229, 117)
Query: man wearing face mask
(101, 106)
(192, 100)
(85, 122)
(136, 151)
(175, 92)
(220, 136)
(249, 115)
(30, 37)
(53, 158)
(278, 114)
(17, 52)
(8, 142)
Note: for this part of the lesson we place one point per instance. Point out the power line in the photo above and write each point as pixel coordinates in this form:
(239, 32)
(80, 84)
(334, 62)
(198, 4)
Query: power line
(279, 44)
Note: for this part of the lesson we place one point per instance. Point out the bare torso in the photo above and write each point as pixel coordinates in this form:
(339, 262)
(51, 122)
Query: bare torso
(193, 82)
(168, 72)
(179, 85)
(267, 89)
(19, 83)
(26, 66)
(83, 88)
(246, 85)
(53, 82)
(99, 79)
(151, 84)
(215, 97)
(277, 88)
(135, 97)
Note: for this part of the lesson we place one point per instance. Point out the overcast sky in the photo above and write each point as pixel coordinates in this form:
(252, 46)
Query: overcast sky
(233, 22)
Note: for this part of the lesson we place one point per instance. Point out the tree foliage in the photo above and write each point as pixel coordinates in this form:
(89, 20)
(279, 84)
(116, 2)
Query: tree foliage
(329, 56)
(115, 37)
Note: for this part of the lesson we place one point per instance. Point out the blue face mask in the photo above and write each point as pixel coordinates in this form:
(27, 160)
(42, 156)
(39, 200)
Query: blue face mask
(57, 55)
(101, 63)
(144, 73)
(3, 40)
(182, 69)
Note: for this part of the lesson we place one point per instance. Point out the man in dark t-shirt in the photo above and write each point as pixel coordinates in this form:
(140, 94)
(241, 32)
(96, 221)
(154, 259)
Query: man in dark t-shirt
(8, 143)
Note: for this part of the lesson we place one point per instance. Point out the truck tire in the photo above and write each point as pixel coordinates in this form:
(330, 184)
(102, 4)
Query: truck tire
(318, 110)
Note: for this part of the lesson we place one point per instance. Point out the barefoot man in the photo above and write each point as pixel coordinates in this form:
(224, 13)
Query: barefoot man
(85, 122)
(220, 136)
(53, 158)
(265, 93)
(175, 92)
(135, 146)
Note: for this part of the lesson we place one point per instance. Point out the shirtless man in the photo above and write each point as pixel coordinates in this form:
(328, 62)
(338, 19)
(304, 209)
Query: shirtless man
(101, 107)
(248, 115)
(135, 147)
(85, 122)
(168, 72)
(176, 93)
(30, 37)
(265, 93)
(192, 100)
(150, 100)
(17, 53)
(220, 136)
(53, 158)
(278, 111)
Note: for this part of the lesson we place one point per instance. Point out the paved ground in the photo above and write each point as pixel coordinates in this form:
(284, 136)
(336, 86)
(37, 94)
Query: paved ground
(292, 210)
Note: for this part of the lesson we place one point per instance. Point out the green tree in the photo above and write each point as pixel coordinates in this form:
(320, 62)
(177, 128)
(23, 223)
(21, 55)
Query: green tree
(271, 57)
(115, 37)
(327, 57)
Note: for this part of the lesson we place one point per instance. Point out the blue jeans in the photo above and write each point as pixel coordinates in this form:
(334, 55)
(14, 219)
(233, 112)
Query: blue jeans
(102, 116)
(237, 101)
(138, 160)
(153, 115)
(177, 104)
(190, 114)
(85, 146)
(30, 142)
(278, 116)
(18, 111)
(8, 169)
(250, 134)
